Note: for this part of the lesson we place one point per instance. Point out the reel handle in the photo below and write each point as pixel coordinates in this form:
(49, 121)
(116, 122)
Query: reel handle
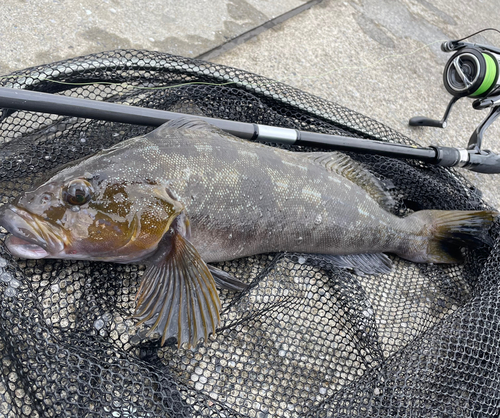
(423, 121)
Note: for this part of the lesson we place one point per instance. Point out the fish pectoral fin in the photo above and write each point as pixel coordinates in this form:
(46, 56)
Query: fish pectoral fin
(225, 280)
(362, 264)
(177, 296)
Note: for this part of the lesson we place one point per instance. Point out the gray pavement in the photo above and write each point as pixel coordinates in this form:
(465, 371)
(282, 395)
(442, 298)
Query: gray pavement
(381, 58)
(41, 31)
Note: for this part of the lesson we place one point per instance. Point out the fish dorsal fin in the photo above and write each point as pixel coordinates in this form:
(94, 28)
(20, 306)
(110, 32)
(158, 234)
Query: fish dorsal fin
(197, 127)
(354, 171)
(187, 107)
(189, 122)
(177, 296)
(184, 123)
(190, 125)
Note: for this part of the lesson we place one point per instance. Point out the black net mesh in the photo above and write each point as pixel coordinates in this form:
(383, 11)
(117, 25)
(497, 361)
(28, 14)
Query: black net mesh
(305, 339)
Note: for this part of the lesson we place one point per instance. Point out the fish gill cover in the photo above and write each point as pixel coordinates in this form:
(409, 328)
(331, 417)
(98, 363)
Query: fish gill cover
(305, 339)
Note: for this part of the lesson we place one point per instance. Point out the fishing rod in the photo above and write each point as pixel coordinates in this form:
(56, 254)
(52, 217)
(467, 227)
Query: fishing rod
(20, 99)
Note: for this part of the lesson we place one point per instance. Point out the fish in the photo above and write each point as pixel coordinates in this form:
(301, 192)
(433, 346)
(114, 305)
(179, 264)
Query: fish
(188, 194)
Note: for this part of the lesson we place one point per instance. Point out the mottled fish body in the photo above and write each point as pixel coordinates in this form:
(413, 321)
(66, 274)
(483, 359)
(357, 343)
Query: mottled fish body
(188, 194)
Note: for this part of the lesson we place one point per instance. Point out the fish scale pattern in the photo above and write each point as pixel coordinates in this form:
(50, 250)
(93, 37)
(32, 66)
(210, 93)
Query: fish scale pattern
(304, 340)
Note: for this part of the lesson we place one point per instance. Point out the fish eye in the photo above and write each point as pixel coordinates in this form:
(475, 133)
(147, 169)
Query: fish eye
(78, 192)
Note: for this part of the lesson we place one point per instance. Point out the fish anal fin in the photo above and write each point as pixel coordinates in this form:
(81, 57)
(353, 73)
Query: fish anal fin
(362, 264)
(177, 296)
(226, 280)
(345, 166)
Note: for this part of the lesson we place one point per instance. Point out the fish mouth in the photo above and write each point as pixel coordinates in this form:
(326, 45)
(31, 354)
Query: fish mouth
(31, 236)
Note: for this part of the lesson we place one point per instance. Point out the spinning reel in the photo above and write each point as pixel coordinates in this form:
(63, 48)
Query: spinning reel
(473, 71)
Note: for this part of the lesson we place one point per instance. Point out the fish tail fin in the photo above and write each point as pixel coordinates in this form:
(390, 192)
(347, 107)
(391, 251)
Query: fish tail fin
(445, 232)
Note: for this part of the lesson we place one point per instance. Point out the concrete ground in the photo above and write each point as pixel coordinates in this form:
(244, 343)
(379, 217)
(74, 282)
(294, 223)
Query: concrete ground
(381, 58)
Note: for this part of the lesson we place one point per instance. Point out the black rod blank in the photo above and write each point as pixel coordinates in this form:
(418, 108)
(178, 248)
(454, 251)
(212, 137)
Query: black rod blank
(85, 108)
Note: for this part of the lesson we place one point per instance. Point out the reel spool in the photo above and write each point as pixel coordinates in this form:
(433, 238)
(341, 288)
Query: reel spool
(471, 72)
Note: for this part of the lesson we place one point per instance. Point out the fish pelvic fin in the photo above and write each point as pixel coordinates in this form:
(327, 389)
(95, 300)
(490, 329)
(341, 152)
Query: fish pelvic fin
(445, 232)
(352, 170)
(177, 296)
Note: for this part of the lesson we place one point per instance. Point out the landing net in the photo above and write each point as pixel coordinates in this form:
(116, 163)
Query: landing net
(305, 340)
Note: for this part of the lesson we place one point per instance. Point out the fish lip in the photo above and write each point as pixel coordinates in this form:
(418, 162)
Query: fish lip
(31, 230)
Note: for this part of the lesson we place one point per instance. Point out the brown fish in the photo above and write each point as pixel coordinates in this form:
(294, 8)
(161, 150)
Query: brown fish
(188, 194)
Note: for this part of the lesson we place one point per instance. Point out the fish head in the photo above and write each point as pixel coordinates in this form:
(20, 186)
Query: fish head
(89, 217)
